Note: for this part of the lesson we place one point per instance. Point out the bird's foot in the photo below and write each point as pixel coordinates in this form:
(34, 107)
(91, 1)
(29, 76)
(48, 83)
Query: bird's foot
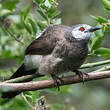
(81, 74)
(56, 81)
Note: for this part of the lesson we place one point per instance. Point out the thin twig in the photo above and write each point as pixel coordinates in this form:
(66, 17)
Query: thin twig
(25, 99)
(12, 35)
(90, 65)
(103, 68)
(24, 78)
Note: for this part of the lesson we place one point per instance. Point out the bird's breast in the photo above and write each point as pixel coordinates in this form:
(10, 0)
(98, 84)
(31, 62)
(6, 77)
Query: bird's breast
(77, 56)
(73, 54)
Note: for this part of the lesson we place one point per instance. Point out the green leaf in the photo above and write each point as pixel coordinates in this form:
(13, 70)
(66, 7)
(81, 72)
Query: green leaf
(104, 52)
(96, 43)
(4, 13)
(19, 26)
(35, 95)
(42, 25)
(33, 24)
(99, 33)
(42, 14)
(106, 29)
(106, 4)
(43, 6)
(53, 13)
(39, 1)
(28, 27)
(25, 12)
(65, 89)
(51, 1)
(32, 96)
(10, 5)
(100, 19)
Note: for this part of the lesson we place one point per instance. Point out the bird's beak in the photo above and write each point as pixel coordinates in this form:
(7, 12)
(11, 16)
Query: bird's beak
(93, 29)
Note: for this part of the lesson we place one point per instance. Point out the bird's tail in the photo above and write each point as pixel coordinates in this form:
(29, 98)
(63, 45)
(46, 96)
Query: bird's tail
(20, 72)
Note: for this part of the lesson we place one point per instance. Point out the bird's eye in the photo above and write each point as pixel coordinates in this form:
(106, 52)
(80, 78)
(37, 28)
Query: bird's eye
(82, 29)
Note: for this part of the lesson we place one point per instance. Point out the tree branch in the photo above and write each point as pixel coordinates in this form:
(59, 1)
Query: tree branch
(36, 85)
(30, 77)
(88, 65)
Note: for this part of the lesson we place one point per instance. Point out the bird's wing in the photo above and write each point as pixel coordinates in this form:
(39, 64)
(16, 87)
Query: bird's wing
(45, 44)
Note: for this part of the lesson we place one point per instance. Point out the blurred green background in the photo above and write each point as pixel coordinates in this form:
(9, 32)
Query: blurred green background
(94, 95)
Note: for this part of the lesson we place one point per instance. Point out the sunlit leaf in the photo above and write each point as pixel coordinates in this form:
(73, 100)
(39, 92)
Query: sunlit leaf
(42, 14)
(104, 52)
(4, 13)
(100, 19)
(42, 25)
(25, 12)
(53, 13)
(27, 27)
(43, 6)
(106, 4)
(39, 1)
(33, 24)
(106, 29)
(96, 43)
(51, 1)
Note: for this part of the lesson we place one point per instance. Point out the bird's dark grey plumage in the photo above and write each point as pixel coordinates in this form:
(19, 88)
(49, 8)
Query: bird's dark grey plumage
(59, 49)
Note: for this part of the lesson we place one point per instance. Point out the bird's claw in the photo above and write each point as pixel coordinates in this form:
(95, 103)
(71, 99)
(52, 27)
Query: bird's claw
(81, 75)
(56, 81)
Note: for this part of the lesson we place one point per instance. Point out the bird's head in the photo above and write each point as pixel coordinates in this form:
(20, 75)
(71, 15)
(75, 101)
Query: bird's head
(83, 31)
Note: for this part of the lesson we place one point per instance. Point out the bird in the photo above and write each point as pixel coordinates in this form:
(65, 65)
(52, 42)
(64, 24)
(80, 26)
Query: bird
(59, 49)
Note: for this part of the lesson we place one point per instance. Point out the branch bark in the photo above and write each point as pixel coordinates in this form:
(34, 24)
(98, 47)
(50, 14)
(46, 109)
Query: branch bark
(36, 85)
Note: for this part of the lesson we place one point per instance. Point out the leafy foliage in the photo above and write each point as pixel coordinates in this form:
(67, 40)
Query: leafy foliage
(17, 29)
(106, 4)
(95, 45)
(22, 26)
